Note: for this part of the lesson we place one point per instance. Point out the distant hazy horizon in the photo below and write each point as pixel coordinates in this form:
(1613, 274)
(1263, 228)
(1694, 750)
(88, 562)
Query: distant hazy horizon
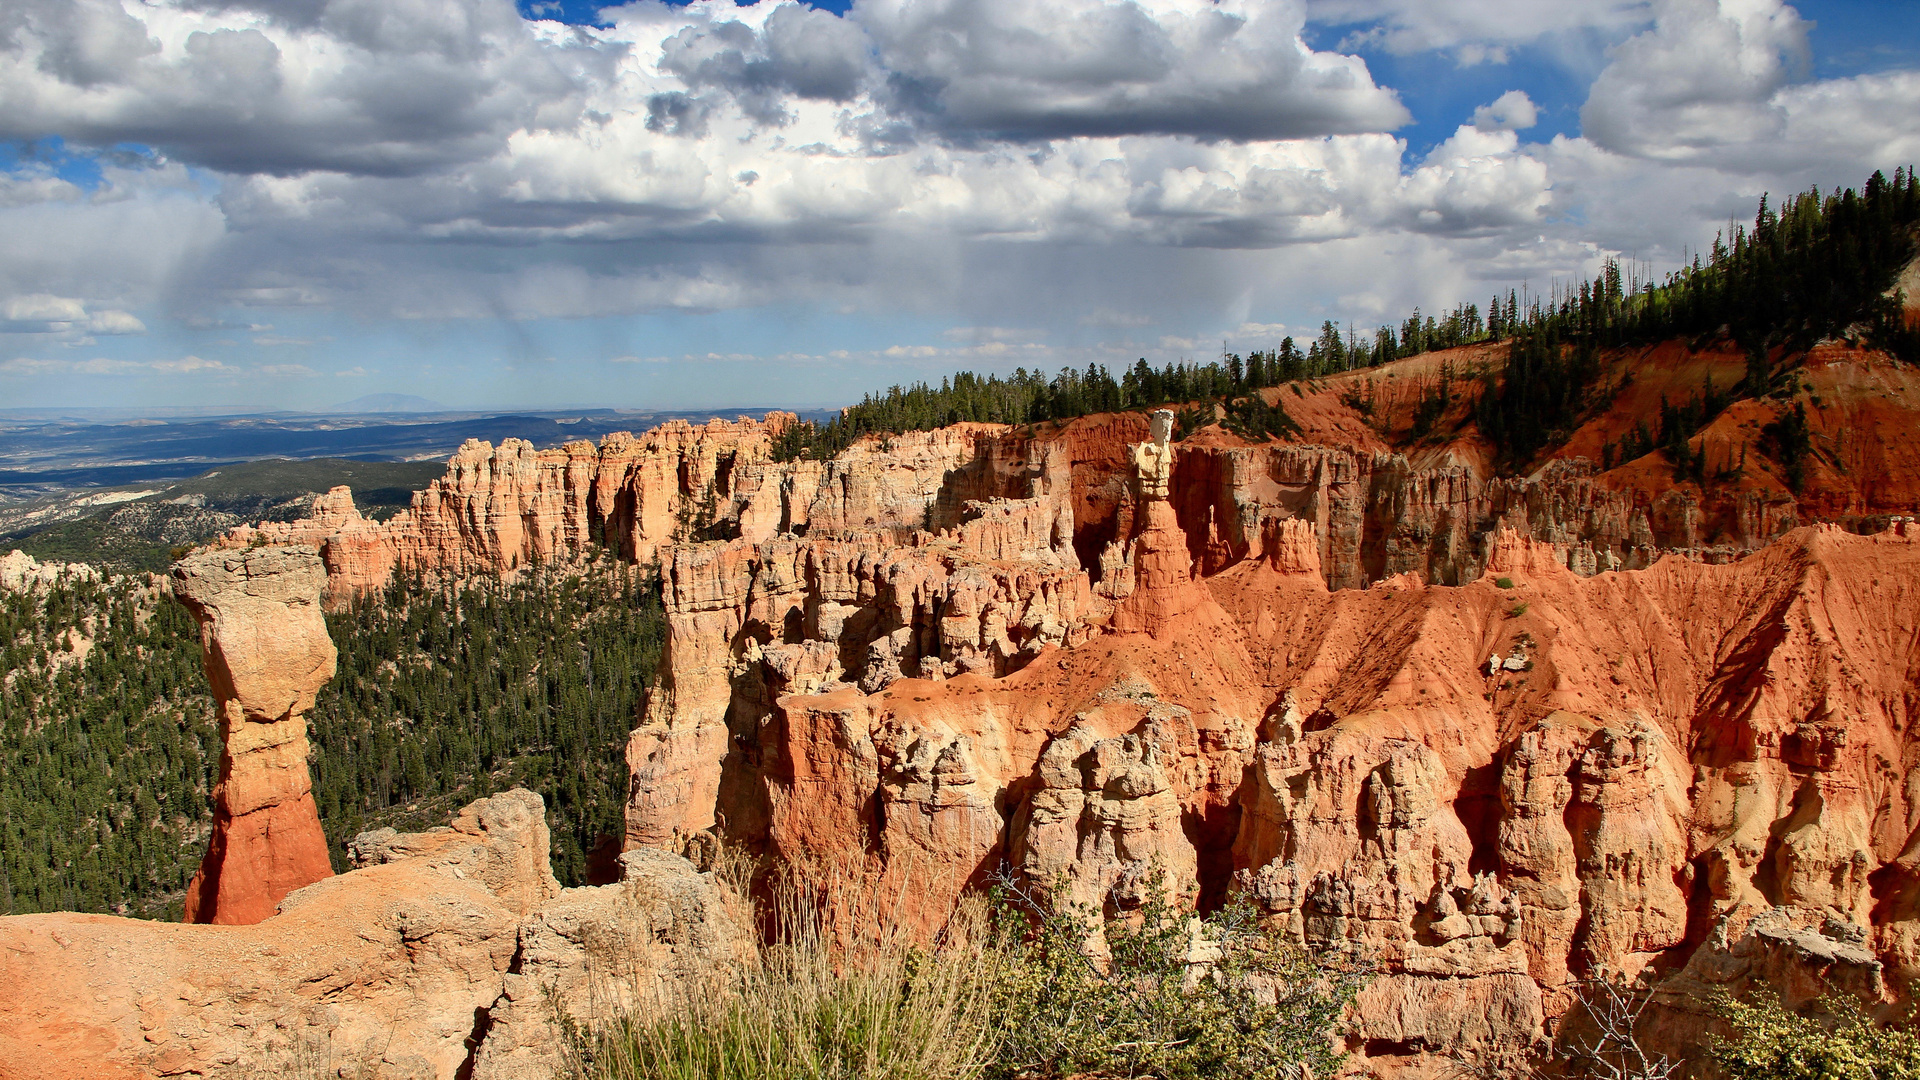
(108, 413)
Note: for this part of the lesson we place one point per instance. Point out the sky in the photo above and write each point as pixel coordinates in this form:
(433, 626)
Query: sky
(286, 204)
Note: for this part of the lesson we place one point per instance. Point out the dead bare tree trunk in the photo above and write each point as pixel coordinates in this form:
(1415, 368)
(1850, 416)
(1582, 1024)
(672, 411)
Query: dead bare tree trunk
(1613, 1051)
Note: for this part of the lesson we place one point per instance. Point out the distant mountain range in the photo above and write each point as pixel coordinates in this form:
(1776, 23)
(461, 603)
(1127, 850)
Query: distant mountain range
(46, 452)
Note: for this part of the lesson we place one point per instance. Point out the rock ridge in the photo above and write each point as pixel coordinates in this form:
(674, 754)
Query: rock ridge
(433, 959)
(1375, 512)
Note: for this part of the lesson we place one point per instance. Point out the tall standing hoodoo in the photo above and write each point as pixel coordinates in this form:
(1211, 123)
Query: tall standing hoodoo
(266, 651)
(1164, 587)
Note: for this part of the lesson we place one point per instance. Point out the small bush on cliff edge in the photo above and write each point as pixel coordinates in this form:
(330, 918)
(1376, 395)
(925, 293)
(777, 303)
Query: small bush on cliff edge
(1160, 992)
(1839, 1042)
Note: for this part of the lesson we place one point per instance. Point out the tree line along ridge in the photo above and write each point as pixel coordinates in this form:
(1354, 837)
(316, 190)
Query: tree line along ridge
(1821, 266)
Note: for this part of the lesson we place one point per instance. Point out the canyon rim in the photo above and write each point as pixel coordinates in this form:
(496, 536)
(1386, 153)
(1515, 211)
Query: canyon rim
(1496, 734)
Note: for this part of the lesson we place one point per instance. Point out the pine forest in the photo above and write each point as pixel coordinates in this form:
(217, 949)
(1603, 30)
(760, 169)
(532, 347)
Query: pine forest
(444, 694)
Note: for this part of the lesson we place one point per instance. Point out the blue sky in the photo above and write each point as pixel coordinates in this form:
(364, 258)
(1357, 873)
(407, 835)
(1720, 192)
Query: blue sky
(281, 204)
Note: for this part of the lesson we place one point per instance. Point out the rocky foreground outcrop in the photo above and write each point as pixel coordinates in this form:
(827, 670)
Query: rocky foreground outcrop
(265, 648)
(449, 953)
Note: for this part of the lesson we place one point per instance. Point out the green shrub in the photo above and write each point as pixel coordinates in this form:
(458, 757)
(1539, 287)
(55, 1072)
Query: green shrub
(1838, 1042)
(1175, 996)
(1189, 419)
(1517, 610)
(1789, 439)
(1503, 583)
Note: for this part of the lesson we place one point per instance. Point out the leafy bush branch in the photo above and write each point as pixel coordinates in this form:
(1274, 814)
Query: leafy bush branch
(1161, 992)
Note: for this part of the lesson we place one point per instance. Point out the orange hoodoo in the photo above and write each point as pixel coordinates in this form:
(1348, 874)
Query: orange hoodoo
(266, 651)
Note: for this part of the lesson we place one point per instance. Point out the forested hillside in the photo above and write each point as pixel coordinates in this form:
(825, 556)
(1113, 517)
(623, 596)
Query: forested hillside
(1819, 267)
(443, 695)
(110, 747)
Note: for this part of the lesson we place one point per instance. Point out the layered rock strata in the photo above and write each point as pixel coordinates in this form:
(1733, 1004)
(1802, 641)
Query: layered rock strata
(265, 648)
(502, 508)
(1692, 771)
(1375, 511)
(449, 953)
(1496, 734)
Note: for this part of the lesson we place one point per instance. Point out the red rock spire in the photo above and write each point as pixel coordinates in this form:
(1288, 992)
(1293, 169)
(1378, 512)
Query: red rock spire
(266, 651)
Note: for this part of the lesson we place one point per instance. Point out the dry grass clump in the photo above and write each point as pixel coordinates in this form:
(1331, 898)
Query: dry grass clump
(846, 985)
(808, 1007)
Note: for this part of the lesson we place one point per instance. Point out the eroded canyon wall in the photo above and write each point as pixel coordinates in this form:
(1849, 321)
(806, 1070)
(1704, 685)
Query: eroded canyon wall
(501, 509)
(1374, 512)
(1695, 770)
(1494, 790)
(1496, 733)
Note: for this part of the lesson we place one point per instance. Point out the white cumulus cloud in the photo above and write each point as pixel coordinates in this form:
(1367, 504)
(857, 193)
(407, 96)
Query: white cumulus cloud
(1477, 30)
(114, 322)
(1018, 69)
(1511, 111)
(1082, 170)
(1704, 76)
(365, 86)
(42, 308)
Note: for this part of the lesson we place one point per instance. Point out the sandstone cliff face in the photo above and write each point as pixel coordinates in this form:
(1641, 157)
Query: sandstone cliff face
(502, 508)
(1493, 791)
(265, 648)
(1429, 509)
(1660, 769)
(752, 621)
(1376, 515)
(431, 961)
(20, 571)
